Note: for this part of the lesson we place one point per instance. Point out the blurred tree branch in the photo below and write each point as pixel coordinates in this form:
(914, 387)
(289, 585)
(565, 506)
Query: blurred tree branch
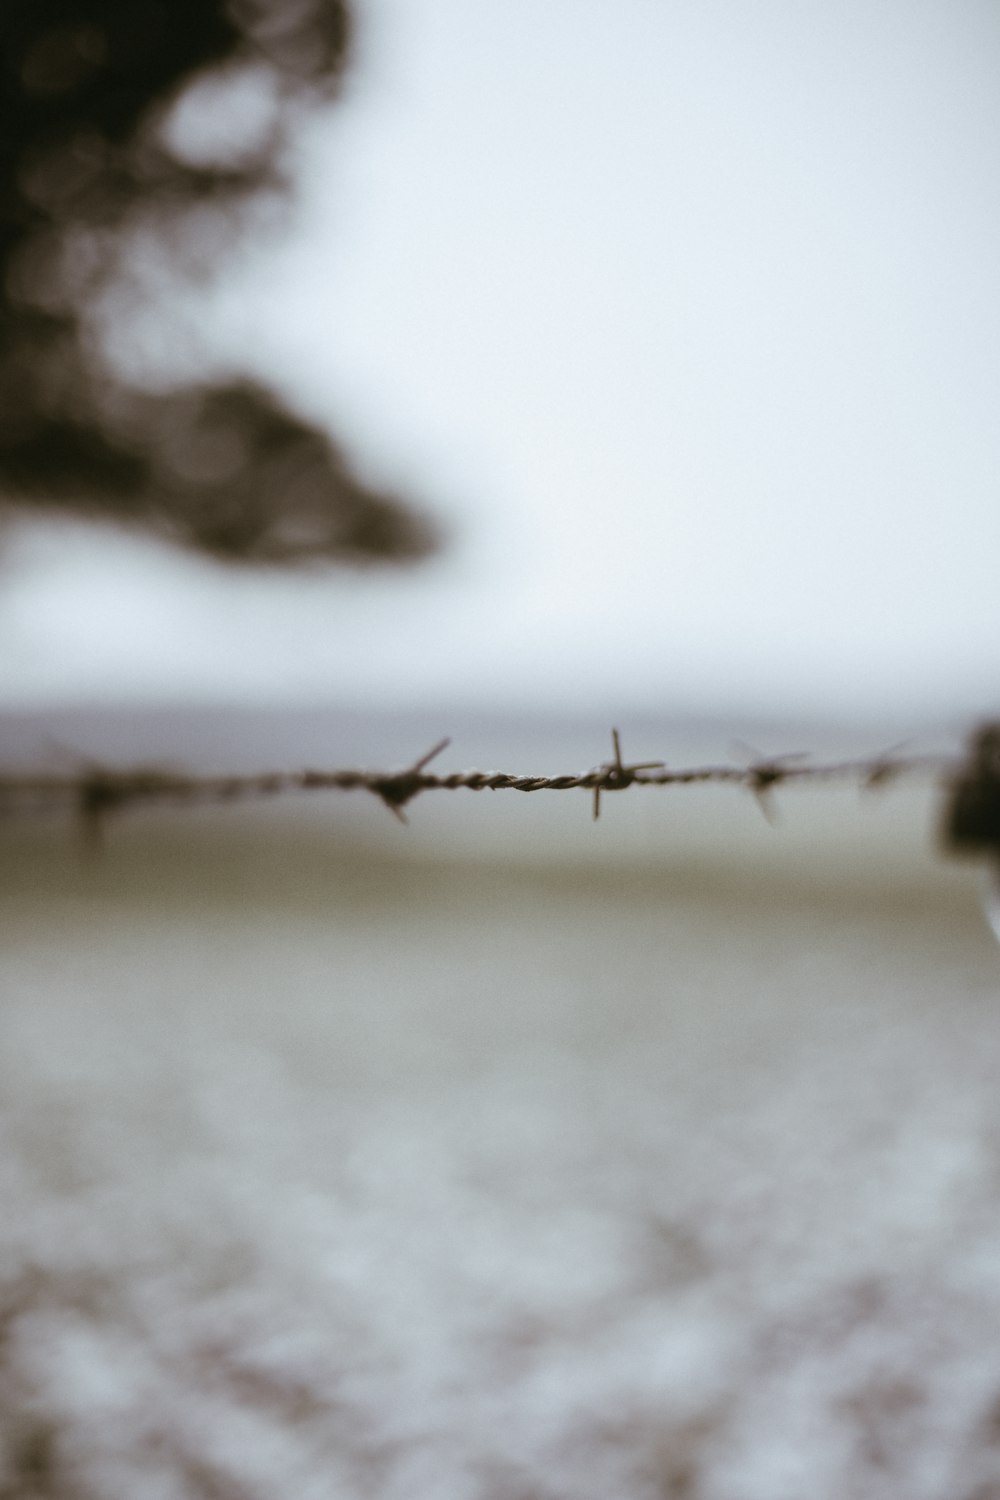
(88, 90)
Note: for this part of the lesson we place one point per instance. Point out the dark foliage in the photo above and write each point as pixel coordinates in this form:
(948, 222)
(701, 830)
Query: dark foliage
(86, 87)
(972, 819)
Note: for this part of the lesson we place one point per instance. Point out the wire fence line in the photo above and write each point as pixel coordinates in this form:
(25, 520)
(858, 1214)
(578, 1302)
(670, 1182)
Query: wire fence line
(95, 792)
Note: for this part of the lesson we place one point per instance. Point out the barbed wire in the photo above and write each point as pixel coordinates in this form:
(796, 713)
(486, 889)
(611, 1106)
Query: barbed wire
(95, 792)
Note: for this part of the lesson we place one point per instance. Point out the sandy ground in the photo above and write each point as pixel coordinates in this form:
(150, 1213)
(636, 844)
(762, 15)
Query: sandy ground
(338, 1165)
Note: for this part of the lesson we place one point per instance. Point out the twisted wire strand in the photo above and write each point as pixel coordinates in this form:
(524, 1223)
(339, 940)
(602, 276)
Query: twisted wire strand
(96, 791)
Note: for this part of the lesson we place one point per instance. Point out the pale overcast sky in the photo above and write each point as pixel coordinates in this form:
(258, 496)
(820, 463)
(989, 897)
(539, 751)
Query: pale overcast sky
(685, 315)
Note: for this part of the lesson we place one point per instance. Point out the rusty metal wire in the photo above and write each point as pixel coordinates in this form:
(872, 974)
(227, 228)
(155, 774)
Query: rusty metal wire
(95, 792)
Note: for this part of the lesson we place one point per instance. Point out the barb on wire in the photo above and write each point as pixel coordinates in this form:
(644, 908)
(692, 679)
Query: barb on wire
(765, 773)
(95, 792)
(397, 790)
(618, 777)
(884, 768)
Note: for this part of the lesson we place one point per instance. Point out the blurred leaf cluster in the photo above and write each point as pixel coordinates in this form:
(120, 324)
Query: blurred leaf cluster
(95, 150)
